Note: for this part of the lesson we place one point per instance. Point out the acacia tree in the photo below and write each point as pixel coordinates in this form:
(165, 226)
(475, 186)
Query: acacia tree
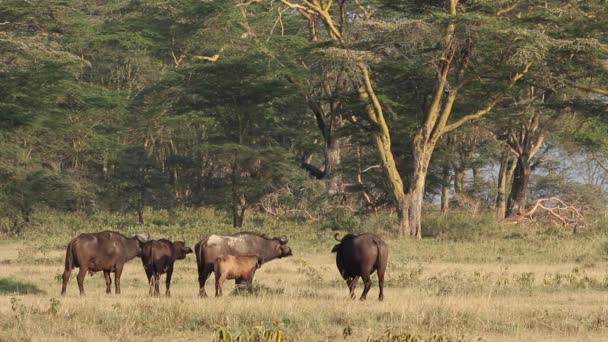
(525, 140)
(454, 46)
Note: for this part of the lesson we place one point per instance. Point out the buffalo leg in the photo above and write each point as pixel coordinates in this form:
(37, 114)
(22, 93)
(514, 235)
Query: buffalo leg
(219, 283)
(156, 284)
(66, 278)
(381, 283)
(352, 284)
(82, 273)
(203, 273)
(241, 284)
(367, 281)
(150, 280)
(106, 274)
(168, 282)
(117, 274)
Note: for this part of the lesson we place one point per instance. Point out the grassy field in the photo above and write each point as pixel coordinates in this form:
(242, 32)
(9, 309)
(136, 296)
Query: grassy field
(518, 283)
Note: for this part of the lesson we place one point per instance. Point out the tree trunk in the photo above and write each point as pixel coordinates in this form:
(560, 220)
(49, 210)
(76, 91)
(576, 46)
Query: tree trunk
(239, 201)
(415, 209)
(422, 157)
(382, 138)
(333, 149)
(459, 180)
(519, 188)
(505, 175)
(140, 215)
(26, 214)
(476, 179)
(238, 213)
(445, 189)
(403, 207)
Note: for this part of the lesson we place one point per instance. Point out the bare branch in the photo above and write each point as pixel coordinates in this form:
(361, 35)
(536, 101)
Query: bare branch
(592, 89)
(599, 162)
(564, 213)
(213, 58)
(508, 8)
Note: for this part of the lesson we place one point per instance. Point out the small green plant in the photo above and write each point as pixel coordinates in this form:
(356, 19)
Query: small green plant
(259, 333)
(21, 310)
(524, 279)
(347, 331)
(392, 336)
(55, 306)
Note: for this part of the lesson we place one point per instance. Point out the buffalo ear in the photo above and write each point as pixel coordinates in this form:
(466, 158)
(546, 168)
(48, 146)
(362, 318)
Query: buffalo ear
(335, 249)
(283, 240)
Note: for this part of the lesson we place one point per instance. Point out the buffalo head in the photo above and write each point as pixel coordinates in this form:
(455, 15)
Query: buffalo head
(282, 247)
(181, 250)
(285, 251)
(140, 237)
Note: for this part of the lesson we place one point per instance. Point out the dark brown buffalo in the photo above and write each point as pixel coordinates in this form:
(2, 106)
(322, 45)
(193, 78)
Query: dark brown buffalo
(158, 257)
(244, 243)
(360, 256)
(105, 251)
(239, 267)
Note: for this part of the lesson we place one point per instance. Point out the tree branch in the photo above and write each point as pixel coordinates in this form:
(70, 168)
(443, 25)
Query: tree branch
(213, 58)
(592, 89)
(489, 106)
(599, 162)
(508, 8)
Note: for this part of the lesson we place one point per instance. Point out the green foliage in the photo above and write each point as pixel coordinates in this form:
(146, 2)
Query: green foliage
(137, 181)
(398, 336)
(256, 334)
(115, 107)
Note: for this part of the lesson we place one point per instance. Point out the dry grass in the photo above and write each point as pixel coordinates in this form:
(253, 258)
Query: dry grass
(305, 298)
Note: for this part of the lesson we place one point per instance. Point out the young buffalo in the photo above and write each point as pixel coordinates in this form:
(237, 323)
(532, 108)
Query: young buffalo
(158, 257)
(360, 256)
(239, 267)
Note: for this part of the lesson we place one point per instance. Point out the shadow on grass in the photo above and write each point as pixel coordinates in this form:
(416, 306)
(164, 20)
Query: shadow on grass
(12, 286)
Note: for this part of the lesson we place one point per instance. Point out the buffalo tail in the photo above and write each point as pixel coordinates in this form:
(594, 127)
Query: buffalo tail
(69, 258)
(379, 244)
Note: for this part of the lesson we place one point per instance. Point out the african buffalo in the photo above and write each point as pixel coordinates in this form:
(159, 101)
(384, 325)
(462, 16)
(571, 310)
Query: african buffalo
(158, 257)
(360, 256)
(239, 267)
(104, 251)
(243, 243)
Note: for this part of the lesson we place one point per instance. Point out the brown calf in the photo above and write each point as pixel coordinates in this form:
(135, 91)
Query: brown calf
(239, 267)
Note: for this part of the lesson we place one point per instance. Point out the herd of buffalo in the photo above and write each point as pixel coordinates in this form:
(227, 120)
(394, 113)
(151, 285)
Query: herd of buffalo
(235, 257)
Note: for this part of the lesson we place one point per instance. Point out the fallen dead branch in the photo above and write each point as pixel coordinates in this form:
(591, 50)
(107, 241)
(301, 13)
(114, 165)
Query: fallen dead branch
(555, 210)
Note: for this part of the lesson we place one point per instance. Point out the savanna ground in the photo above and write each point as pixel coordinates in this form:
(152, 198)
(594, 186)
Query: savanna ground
(477, 279)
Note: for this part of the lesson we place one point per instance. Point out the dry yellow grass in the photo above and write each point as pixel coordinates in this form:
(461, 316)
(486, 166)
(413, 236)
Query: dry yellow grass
(304, 296)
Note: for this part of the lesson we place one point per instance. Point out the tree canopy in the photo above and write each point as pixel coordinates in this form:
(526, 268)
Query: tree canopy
(305, 107)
